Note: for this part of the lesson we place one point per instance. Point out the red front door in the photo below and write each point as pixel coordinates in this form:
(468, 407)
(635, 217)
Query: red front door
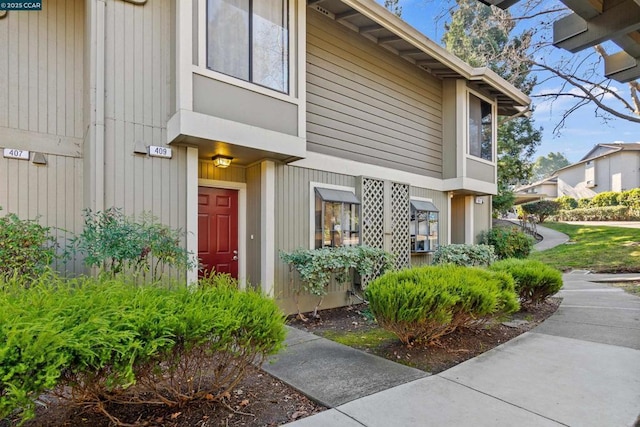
(218, 230)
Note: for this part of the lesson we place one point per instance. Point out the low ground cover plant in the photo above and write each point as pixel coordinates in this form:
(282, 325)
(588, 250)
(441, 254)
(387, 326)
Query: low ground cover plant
(534, 281)
(508, 242)
(423, 304)
(465, 255)
(97, 340)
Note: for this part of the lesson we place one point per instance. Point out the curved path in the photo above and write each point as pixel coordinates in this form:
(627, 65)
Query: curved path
(581, 367)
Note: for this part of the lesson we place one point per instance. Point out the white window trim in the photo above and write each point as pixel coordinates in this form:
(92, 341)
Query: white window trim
(312, 206)
(494, 128)
(294, 57)
(242, 222)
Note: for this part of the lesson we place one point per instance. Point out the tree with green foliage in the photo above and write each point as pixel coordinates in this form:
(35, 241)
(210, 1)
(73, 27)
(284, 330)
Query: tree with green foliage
(482, 37)
(393, 6)
(545, 166)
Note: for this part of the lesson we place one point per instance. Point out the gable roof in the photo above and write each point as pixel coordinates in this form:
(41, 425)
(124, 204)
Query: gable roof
(379, 25)
(611, 148)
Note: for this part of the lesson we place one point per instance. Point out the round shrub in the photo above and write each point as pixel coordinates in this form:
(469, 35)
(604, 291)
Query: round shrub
(95, 341)
(425, 303)
(508, 242)
(567, 202)
(535, 281)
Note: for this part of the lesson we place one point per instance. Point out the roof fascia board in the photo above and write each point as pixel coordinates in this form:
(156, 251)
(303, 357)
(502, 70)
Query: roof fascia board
(388, 20)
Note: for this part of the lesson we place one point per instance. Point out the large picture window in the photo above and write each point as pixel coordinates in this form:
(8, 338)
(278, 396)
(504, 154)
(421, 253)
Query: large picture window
(337, 218)
(480, 128)
(424, 226)
(249, 40)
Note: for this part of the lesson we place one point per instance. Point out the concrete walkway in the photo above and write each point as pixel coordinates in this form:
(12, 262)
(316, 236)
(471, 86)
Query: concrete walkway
(579, 368)
(550, 238)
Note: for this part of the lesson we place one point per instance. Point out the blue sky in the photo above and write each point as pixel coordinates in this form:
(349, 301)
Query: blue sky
(581, 131)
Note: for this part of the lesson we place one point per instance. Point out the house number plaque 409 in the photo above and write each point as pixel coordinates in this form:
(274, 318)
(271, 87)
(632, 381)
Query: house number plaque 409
(14, 153)
(155, 151)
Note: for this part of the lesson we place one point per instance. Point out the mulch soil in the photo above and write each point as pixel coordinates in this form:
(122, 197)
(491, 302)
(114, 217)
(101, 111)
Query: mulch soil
(452, 349)
(262, 400)
(259, 400)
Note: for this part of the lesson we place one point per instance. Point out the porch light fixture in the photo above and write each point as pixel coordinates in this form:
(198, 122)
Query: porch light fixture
(221, 161)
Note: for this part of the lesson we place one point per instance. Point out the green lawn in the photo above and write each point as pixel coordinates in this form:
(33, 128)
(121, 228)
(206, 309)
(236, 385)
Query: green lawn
(596, 248)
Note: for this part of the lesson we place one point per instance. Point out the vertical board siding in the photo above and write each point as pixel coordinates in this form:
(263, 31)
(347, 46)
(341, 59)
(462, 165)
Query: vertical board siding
(42, 69)
(366, 104)
(206, 170)
(50, 194)
(253, 263)
(482, 217)
(292, 218)
(138, 68)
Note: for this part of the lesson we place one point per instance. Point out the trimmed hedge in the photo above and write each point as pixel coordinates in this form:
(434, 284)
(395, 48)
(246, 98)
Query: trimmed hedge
(534, 281)
(607, 213)
(541, 209)
(465, 255)
(425, 303)
(95, 341)
(508, 242)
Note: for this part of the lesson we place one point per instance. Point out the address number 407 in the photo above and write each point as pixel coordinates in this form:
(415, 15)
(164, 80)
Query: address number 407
(14, 153)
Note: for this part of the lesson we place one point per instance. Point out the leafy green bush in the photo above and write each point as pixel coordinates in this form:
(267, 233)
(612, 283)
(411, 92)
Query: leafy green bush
(567, 202)
(508, 242)
(631, 198)
(465, 255)
(606, 198)
(107, 340)
(26, 247)
(425, 303)
(116, 243)
(541, 209)
(534, 280)
(584, 203)
(317, 267)
(607, 213)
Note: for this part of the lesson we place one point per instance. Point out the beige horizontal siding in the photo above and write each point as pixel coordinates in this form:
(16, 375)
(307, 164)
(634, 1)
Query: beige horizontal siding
(206, 170)
(366, 104)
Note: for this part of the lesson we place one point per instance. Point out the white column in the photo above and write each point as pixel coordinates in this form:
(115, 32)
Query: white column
(192, 209)
(267, 226)
(184, 55)
(469, 220)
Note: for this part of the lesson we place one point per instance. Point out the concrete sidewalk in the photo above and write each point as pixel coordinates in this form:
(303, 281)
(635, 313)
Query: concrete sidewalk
(579, 368)
(550, 238)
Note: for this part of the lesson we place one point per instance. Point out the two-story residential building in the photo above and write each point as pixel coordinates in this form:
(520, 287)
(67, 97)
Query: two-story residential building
(607, 167)
(255, 126)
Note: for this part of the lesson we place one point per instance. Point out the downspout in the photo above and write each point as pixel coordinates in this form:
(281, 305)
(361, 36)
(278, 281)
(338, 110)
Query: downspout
(100, 106)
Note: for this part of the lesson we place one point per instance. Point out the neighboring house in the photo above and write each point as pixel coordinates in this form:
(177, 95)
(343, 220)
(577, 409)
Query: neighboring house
(544, 189)
(607, 167)
(255, 126)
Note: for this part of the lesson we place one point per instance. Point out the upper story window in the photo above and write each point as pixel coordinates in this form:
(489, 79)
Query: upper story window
(480, 128)
(337, 218)
(249, 40)
(424, 226)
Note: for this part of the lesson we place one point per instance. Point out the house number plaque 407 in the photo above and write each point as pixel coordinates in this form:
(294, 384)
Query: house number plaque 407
(14, 153)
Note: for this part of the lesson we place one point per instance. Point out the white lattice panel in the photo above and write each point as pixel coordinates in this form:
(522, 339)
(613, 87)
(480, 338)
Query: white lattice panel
(373, 213)
(400, 236)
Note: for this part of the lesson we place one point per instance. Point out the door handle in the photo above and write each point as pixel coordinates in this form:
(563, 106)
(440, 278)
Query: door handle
(235, 255)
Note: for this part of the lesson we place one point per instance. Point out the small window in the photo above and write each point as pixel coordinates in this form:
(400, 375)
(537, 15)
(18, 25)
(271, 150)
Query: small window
(337, 218)
(424, 226)
(480, 128)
